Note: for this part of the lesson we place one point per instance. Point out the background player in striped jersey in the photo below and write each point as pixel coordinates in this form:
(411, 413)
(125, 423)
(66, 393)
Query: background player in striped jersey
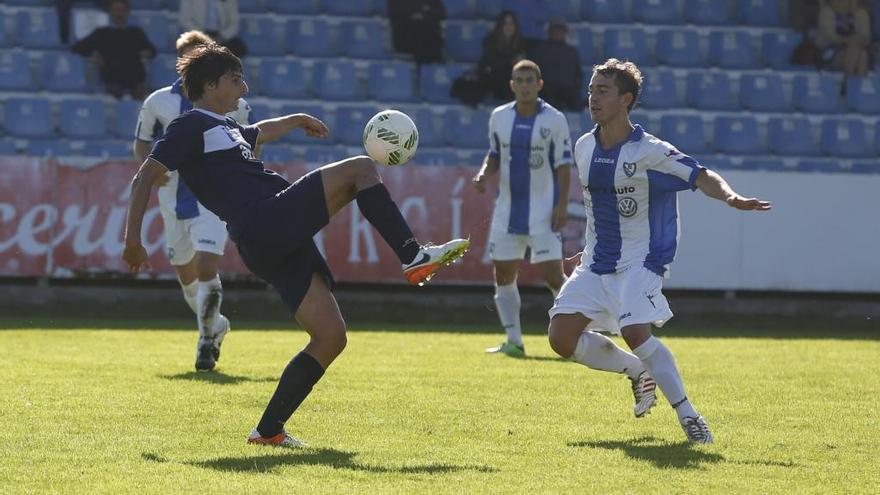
(194, 236)
(529, 142)
(630, 180)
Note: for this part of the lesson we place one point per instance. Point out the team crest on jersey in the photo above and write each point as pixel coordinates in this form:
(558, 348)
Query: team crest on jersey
(536, 161)
(627, 207)
(629, 168)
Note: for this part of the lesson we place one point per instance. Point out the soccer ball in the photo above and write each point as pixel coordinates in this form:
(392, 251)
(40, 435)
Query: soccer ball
(391, 137)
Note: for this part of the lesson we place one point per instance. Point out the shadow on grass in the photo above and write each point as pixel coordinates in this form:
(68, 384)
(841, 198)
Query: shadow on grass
(663, 454)
(216, 377)
(316, 457)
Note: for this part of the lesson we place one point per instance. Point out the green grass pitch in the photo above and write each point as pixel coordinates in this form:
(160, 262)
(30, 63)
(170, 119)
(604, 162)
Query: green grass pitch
(88, 409)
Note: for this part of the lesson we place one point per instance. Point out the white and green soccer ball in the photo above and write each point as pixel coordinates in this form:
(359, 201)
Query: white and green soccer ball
(391, 137)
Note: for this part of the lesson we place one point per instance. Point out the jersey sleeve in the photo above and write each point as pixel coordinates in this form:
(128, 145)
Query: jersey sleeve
(679, 171)
(147, 119)
(561, 144)
(179, 145)
(494, 144)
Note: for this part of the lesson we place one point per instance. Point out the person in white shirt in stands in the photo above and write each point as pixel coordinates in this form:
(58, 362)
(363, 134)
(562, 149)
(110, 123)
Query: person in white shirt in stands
(530, 144)
(219, 19)
(630, 181)
(194, 236)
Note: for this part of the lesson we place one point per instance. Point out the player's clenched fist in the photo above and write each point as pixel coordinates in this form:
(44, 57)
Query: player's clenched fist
(135, 256)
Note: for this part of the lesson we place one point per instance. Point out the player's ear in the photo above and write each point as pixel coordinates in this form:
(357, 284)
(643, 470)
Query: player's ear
(626, 99)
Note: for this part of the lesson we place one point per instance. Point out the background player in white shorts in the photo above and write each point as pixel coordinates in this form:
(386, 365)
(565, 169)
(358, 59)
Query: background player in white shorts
(194, 236)
(630, 180)
(529, 142)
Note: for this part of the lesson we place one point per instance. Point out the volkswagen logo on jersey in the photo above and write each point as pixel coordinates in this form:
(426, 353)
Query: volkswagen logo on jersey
(629, 168)
(536, 161)
(545, 132)
(627, 207)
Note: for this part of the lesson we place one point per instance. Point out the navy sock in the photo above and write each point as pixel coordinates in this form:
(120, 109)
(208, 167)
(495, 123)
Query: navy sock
(382, 212)
(300, 375)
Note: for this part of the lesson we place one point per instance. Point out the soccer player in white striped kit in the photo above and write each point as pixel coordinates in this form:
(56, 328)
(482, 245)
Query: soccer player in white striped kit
(195, 237)
(630, 180)
(530, 145)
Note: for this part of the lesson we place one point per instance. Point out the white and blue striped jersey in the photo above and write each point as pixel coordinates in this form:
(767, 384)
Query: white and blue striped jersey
(158, 110)
(529, 149)
(630, 197)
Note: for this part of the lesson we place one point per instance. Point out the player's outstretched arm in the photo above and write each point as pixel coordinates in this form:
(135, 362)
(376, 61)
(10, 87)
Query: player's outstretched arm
(714, 186)
(490, 166)
(272, 129)
(133, 253)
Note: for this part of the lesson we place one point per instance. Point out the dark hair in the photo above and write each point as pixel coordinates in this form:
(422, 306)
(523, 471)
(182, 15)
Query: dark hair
(627, 77)
(497, 35)
(203, 65)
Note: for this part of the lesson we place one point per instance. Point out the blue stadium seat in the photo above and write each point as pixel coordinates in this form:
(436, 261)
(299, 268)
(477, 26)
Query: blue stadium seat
(732, 50)
(281, 78)
(716, 162)
(845, 138)
(435, 81)
(679, 48)
(431, 128)
(360, 8)
(63, 71)
(8, 147)
(464, 40)
(818, 165)
(707, 12)
(364, 39)
(391, 82)
(578, 124)
(437, 157)
(657, 12)
(262, 111)
(4, 39)
(866, 167)
(309, 37)
(147, 4)
(255, 6)
(877, 138)
(275, 153)
(108, 148)
(568, 9)
(350, 122)
(790, 136)
(627, 44)
(335, 80)
(263, 35)
(737, 136)
(763, 163)
(863, 94)
(489, 9)
(48, 147)
(711, 91)
(28, 117)
(659, 90)
(777, 47)
(759, 12)
(160, 29)
(817, 93)
(162, 71)
(320, 155)
(15, 72)
(460, 9)
(83, 118)
(644, 119)
(38, 29)
(605, 11)
(467, 128)
(293, 6)
(686, 131)
(298, 136)
(30, 3)
(584, 42)
(125, 118)
(762, 93)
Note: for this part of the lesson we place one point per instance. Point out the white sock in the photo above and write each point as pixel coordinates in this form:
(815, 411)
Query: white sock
(508, 302)
(190, 294)
(210, 296)
(661, 365)
(598, 352)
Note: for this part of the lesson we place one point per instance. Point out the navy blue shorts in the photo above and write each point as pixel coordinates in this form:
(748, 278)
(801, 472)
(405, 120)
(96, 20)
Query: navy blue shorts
(276, 243)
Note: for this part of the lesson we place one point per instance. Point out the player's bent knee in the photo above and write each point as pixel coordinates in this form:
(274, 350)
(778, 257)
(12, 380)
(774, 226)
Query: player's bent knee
(562, 341)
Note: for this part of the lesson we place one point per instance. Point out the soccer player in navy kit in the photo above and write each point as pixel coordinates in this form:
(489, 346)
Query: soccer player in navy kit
(272, 221)
(630, 180)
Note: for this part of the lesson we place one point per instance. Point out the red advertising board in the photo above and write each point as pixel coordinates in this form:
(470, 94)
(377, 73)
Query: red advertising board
(64, 220)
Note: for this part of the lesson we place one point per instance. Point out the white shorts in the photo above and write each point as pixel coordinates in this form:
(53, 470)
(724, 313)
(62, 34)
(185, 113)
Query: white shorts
(183, 238)
(616, 300)
(506, 247)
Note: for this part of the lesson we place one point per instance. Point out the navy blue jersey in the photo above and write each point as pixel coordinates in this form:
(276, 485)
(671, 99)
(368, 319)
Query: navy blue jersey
(214, 155)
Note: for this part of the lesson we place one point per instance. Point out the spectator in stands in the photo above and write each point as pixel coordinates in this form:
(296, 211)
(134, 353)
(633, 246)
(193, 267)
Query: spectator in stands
(845, 36)
(503, 47)
(532, 16)
(218, 19)
(63, 7)
(804, 15)
(561, 68)
(415, 28)
(119, 50)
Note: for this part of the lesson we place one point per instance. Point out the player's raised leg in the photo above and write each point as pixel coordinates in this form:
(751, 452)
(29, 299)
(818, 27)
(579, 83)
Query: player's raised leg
(508, 303)
(319, 315)
(356, 179)
(661, 365)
